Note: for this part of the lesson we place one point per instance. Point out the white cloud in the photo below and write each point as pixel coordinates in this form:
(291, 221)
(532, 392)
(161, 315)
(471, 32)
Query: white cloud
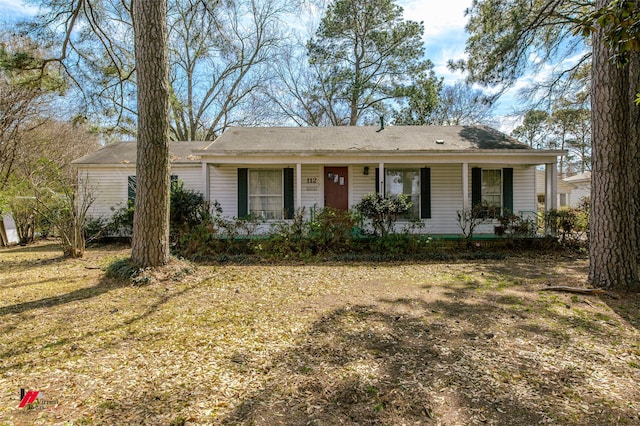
(444, 33)
(16, 7)
(439, 17)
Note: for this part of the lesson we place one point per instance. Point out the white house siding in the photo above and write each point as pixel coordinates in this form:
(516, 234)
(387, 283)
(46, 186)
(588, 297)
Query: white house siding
(446, 199)
(524, 192)
(446, 190)
(312, 187)
(223, 184)
(362, 184)
(223, 188)
(191, 176)
(109, 185)
(583, 189)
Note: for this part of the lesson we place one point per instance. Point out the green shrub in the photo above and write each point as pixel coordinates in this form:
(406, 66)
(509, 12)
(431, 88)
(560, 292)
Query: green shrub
(188, 207)
(383, 212)
(121, 220)
(570, 225)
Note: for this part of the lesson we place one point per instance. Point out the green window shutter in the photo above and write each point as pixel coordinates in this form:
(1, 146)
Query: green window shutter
(288, 193)
(507, 190)
(243, 193)
(476, 186)
(377, 180)
(131, 188)
(425, 193)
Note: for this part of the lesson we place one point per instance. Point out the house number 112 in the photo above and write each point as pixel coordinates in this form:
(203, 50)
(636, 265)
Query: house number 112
(312, 180)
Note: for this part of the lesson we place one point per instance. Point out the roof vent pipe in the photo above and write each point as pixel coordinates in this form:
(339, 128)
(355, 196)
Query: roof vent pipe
(381, 123)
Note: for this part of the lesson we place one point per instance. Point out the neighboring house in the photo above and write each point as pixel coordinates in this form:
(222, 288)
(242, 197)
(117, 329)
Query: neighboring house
(582, 184)
(271, 172)
(564, 190)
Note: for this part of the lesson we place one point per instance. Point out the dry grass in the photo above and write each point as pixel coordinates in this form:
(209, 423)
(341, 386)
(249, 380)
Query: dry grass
(430, 343)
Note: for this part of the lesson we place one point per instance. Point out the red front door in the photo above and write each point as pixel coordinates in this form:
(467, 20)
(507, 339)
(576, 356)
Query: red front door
(336, 188)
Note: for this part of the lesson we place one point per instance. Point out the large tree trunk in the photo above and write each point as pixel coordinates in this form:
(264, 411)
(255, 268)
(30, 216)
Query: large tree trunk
(615, 188)
(150, 245)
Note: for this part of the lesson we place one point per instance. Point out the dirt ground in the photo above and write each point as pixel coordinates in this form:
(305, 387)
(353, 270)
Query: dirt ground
(429, 343)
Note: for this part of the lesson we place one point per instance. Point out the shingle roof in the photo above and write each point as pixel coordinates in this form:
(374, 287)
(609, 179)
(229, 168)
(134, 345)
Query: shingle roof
(580, 177)
(125, 153)
(355, 139)
(364, 138)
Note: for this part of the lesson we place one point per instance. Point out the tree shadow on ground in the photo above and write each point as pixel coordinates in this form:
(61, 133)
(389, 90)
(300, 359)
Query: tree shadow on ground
(408, 361)
(627, 305)
(104, 285)
(72, 337)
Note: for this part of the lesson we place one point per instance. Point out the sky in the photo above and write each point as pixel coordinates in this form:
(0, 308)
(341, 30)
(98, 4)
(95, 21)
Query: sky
(444, 35)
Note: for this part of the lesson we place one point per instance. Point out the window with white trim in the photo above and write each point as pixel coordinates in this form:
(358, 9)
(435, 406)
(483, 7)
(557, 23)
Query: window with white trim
(266, 198)
(404, 181)
(492, 191)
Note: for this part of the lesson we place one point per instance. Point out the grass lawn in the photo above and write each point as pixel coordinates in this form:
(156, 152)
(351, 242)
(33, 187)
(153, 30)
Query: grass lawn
(469, 342)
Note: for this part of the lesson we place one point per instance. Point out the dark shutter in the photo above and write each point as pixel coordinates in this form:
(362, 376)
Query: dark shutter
(425, 193)
(131, 188)
(243, 193)
(507, 190)
(288, 194)
(377, 180)
(476, 186)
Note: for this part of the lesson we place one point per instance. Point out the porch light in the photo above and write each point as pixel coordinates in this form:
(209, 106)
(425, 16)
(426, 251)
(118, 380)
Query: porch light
(365, 171)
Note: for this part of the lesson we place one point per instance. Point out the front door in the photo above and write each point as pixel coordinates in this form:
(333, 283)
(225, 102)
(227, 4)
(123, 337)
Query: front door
(336, 188)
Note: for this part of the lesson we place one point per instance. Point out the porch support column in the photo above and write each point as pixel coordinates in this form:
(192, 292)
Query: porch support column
(298, 186)
(206, 181)
(551, 187)
(381, 179)
(465, 186)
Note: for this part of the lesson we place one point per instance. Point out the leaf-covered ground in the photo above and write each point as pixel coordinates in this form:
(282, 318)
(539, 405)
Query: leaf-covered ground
(462, 343)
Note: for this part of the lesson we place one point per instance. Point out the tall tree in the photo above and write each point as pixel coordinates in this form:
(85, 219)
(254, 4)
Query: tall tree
(504, 36)
(25, 94)
(421, 103)
(615, 179)
(150, 243)
(534, 129)
(462, 104)
(570, 127)
(365, 54)
(221, 57)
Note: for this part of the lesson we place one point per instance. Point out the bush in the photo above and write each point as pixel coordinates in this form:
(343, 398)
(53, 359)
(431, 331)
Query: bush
(188, 208)
(383, 211)
(570, 225)
(468, 219)
(121, 223)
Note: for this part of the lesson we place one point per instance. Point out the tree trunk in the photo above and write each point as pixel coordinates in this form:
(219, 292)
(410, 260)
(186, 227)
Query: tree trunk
(615, 178)
(150, 244)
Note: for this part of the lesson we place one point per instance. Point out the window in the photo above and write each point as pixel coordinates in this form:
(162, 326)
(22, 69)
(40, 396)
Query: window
(404, 181)
(266, 193)
(492, 191)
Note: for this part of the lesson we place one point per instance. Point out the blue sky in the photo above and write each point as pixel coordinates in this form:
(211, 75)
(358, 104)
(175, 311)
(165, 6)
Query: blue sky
(444, 36)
